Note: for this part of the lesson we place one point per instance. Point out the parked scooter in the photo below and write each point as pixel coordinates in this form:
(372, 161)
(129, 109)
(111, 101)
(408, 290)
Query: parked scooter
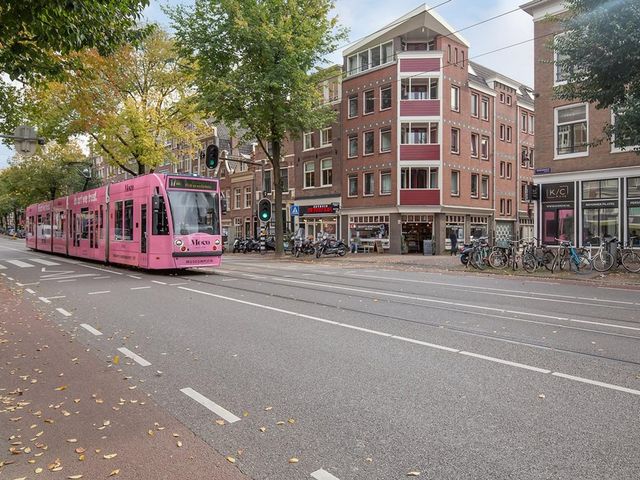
(330, 246)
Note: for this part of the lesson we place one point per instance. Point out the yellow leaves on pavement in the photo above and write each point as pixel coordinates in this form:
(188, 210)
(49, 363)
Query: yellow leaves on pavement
(109, 456)
(413, 473)
(80, 450)
(116, 360)
(60, 388)
(114, 472)
(220, 422)
(293, 460)
(231, 459)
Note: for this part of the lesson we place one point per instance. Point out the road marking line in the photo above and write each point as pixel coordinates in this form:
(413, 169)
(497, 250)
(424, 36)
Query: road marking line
(139, 288)
(43, 299)
(27, 284)
(135, 357)
(3, 274)
(10, 278)
(30, 291)
(440, 347)
(42, 261)
(159, 283)
(101, 278)
(101, 269)
(214, 407)
(99, 293)
(56, 297)
(65, 281)
(506, 362)
(63, 312)
(323, 475)
(222, 271)
(176, 284)
(595, 382)
(2, 267)
(134, 276)
(19, 263)
(229, 279)
(89, 328)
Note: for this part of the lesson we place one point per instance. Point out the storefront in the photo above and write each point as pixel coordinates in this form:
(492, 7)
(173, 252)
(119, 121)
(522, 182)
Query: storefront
(633, 211)
(454, 224)
(558, 212)
(415, 230)
(478, 227)
(318, 220)
(368, 229)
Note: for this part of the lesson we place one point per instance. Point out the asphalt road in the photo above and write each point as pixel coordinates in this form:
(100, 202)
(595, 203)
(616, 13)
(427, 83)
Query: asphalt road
(362, 373)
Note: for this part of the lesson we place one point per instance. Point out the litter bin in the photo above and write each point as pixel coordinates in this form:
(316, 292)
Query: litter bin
(427, 247)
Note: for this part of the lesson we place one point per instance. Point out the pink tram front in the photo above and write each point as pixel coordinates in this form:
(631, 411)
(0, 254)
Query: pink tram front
(155, 221)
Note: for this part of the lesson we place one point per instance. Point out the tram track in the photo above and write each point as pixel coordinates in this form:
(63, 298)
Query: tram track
(436, 325)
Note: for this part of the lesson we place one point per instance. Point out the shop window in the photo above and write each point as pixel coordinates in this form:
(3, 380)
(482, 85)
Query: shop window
(557, 223)
(368, 143)
(599, 189)
(455, 183)
(309, 175)
(633, 187)
(385, 183)
(571, 130)
(385, 140)
(353, 185)
(368, 183)
(327, 172)
(385, 98)
(598, 223)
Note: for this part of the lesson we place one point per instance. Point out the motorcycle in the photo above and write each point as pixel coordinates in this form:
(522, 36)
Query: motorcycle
(303, 245)
(330, 246)
(237, 245)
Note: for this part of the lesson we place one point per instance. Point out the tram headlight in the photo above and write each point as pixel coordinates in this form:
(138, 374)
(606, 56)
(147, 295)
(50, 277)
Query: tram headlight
(178, 243)
(217, 242)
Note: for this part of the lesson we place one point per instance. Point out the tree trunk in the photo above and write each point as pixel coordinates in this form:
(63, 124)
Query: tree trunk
(277, 197)
(141, 169)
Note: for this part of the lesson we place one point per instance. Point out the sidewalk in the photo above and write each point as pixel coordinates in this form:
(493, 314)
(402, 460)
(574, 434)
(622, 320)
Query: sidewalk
(64, 414)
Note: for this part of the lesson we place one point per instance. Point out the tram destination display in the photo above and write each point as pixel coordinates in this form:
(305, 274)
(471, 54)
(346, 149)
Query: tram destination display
(192, 184)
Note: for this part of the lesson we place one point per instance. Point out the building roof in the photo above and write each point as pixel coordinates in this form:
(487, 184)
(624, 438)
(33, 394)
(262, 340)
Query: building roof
(486, 77)
(423, 16)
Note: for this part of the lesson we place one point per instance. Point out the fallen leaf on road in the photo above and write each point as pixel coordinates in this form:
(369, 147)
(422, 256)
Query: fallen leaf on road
(74, 477)
(72, 440)
(268, 408)
(220, 422)
(80, 450)
(110, 456)
(116, 360)
(39, 470)
(245, 414)
(106, 423)
(231, 460)
(291, 421)
(280, 423)
(263, 429)
(114, 472)
(81, 458)
(413, 473)
(293, 460)
(179, 444)
(541, 395)
(176, 435)
(60, 388)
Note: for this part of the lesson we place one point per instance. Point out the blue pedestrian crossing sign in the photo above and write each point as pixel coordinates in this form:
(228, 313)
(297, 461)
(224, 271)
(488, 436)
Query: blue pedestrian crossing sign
(294, 210)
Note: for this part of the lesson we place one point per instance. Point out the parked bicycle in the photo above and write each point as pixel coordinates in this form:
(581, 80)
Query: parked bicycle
(569, 257)
(478, 253)
(534, 256)
(610, 253)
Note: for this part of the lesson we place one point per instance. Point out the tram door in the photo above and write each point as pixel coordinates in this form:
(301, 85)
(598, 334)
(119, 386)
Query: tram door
(143, 235)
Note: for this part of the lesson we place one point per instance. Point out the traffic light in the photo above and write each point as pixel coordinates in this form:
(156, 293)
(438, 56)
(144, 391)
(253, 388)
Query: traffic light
(264, 210)
(211, 158)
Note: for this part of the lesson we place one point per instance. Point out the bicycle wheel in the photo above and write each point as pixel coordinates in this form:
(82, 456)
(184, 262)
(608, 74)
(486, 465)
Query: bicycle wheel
(631, 261)
(548, 257)
(562, 259)
(580, 263)
(479, 260)
(498, 259)
(602, 261)
(529, 262)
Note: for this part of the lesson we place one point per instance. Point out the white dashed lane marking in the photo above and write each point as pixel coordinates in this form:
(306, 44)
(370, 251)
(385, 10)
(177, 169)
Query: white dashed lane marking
(214, 407)
(135, 357)
(63, 312)
(323, 475)
(44, 300)
(139, 288)
(19, 263)
(28, 290)
(89, 328)
(42, 261)
(99, 293)
(159, 283)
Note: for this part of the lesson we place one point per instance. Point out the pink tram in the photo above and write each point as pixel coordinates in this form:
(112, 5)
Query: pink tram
(155, 221)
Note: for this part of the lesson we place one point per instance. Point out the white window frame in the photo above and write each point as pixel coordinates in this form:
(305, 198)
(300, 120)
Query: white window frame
(615, 149)
(385, 173)
(364, 102)
(509, 134)
(475, 105)
(484, 140)
(322, 170)
(531, 124)
(475, 145)
(483, 194)
(428, 137)
(430, 81)
(477, 177)
(455, 98)
(557, 82)
(455, 145)
(431, 173)
(455, 193)
(364, 184)
(509, 100)
(237, 198)
(484, 101)
(557, 156)
(349, 138)
(307, 141)
(313, 164)
(364, 143)
(349, 177)
(524, 119)
(326, 137)
(384, 130)
(247, 196)
(383, 89)
(349, 100)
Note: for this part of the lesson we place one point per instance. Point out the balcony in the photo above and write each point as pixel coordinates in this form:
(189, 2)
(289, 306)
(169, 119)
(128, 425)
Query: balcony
(419, 108)
(420, 197)
(428, 151)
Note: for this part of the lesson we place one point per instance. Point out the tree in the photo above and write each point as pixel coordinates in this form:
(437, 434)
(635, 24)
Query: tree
(254, 60)
(130, 104)
(599, 54)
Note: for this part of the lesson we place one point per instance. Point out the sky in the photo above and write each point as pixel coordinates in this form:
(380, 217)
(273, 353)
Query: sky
(363, 17)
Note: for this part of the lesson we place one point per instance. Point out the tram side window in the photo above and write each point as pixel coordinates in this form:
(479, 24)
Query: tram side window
(128, 220)
(84, 223)
(160, 220)
(118, 221)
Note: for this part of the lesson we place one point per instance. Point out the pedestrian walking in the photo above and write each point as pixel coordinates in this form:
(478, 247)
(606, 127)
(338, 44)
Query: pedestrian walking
(454, 242)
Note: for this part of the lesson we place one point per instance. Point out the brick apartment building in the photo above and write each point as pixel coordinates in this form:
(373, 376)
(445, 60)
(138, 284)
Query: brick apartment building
(586, 191)
(432, 143)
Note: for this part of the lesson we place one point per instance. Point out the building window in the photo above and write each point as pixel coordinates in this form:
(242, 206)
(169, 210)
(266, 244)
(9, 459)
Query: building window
(508, 99)
(284, 180)
(387, 52)
(475, 100)
(368, 183)
(237, 226)
(368, 143)
(369, 105)
(523, 191)
(237, 194)
(502, 169)
(455, 98)
(531, 163)
(308, 141)
(266, 187)
(502, 206)
(455, 183)
(509, 134)
(502, 132)
(353, 106)
(385, 140)
(353, 146)
(531, 121)
(419, 89)
(247, 197)
(419, 178)
(385, 98)
(419, 133)
(633, 212)
(455, 140)
(474, 185)
(309, 175)
(485, 108)
(327, 172)
(485, 186)
(571, 130)
(523, 119)
(600, 189)
(501, 97)
(561, 72)
(353, 185)
(509, 170)
(385, 183)
(326, 137)
(484, 148)
(524, 157)
(475, 138)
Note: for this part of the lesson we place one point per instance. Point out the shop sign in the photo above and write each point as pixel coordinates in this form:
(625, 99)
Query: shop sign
(542, 171)
(329, 209)
(557, 206)
(557, 192)
(601, 204)
(634, 203)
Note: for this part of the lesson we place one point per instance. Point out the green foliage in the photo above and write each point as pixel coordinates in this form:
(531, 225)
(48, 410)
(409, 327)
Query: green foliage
(129, 103)
(600, 53)
(37, 36)
(255, 59)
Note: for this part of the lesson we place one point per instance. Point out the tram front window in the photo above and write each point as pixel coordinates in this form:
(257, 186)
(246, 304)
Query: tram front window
(194, 212)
